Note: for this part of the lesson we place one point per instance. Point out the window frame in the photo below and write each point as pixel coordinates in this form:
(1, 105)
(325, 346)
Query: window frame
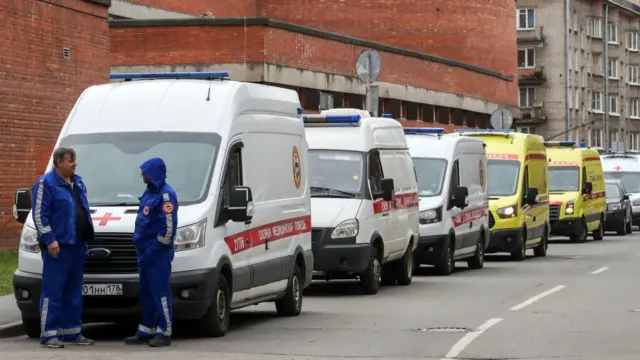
(596, 99)
(527, 60)
(612, 68)
(529, 14)
(613, 33)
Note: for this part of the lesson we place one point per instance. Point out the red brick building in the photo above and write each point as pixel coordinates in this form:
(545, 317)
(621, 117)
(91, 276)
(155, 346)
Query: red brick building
(51, 51)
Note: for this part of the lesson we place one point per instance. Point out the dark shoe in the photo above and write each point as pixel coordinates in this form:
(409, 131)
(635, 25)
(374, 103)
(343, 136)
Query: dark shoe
(135, 340)
(165, 341)
(82, 341)
(53, 343)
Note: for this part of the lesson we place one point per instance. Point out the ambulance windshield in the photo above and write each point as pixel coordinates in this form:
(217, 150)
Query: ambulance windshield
(630, 180)
(502, 179)
(430, 175)
(109, 164)
(335, 173)
(564, 178)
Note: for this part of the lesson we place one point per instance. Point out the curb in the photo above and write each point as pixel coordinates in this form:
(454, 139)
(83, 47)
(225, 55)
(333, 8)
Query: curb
(11, 329)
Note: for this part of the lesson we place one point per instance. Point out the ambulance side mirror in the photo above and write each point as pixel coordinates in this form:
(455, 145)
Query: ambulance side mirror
(22, 205)
(388, 188)
(460, 197)
(587, 188)
(240, 207)
(532, 196)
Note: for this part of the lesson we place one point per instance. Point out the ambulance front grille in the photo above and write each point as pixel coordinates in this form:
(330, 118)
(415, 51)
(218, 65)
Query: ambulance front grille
(554, 212)
(122, 257)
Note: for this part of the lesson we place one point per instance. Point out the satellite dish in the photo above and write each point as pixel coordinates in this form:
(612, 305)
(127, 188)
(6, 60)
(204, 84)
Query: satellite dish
(501, 119)
(368, 66)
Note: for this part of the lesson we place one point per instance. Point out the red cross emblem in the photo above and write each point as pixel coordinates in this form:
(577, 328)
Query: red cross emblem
(105, 219)
(618, 168)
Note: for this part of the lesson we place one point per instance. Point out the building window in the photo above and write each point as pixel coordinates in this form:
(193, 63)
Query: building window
(613, 33)
(595, 137)
(632, 41)
(526, 129)
(596, 101)
(634, 108)
(527, 96)
(612, 70)
(526, 19)
(634, 72)
(526, 58)
(597, 62)
(634, 141)
(594, 28)
(613, 105)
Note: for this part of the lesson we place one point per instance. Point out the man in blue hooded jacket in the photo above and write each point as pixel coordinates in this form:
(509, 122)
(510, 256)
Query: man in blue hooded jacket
(154, 234)
(63, 221)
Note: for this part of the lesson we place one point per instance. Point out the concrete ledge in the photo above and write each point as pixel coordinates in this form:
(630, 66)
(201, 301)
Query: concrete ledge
(105, 3)
(258, 21)
(277, 74)
(11, 329)
(126, 9)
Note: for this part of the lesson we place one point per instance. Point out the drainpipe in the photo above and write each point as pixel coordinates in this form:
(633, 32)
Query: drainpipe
(567, 79)
(605, 40)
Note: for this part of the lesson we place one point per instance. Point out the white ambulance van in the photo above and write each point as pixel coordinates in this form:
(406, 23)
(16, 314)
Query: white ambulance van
(454, 206)
(625, 167)
(236, 156)
(364, 198)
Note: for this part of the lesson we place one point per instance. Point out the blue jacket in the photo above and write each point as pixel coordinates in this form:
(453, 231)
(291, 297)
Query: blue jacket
(157, 219)
(54, 209)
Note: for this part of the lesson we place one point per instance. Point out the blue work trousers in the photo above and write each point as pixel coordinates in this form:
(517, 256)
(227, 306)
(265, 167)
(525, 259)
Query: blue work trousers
(155, 297)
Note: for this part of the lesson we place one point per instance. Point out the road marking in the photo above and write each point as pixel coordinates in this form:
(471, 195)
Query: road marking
(533, 299)
(601, 270)
(466, 340)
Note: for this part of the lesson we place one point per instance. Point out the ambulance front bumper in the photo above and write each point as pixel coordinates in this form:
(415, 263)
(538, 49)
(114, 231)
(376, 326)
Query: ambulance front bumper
(338, 255)
(565, 227)
(430, 249)
(504, 240)
(192, 294)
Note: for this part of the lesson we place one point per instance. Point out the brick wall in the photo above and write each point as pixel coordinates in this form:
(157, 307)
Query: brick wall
(166, 46)
(218, 8)
(38, 87)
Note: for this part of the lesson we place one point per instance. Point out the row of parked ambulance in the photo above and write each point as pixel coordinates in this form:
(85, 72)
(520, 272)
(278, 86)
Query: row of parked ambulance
(271, 198)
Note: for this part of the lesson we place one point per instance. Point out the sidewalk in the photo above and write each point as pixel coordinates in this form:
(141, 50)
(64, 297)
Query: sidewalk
(9, 311)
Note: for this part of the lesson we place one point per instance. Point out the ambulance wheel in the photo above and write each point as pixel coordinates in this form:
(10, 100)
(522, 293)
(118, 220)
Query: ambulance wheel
(446, 264)
(215, 322)
(521, 253)
(291, 303)
(598, 234)
(541, 250)
(477, 261)
(581, 235)
(31, 327)
(388, 274)
(372, 277)
(404, 267)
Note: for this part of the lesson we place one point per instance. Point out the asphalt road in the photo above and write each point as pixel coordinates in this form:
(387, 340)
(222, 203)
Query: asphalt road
(580, 302)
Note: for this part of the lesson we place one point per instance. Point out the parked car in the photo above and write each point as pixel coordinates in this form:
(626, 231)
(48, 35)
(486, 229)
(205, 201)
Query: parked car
(618, 215)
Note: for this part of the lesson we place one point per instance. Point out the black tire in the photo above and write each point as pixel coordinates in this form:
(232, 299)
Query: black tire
(598, 234)
(372, 277)
(629, 227)
(388, 274)
(541, 250)
(520, 254)
(446, 264)
(291, 303)
(581, 236)
(31, 327)
(215, 323)
(477, 261)
(403, 269)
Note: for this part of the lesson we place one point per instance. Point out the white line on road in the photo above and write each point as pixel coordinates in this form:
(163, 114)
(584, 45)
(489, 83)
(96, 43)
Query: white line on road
(466, 340)
(533, 299)
(601, 270)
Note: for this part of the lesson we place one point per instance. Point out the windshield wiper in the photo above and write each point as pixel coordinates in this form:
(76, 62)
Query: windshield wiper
(334, 191)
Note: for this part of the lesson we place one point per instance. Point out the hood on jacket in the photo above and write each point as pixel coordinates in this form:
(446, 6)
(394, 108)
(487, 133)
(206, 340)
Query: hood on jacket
(155, 170)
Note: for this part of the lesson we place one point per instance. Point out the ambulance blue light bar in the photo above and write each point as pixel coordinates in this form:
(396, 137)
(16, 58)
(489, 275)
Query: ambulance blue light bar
(387, 116)
(170, 75)
(484, 130)
(418, 131)
(560, 143)
(331, 119)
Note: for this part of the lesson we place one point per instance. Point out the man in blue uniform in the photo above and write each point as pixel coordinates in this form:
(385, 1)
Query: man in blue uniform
(155, 232)
(63, 221)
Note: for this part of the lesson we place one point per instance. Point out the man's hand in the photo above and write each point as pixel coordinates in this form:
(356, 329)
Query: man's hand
(54, 249)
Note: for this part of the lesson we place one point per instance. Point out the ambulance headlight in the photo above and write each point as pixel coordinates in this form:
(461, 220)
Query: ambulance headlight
(430, 216)
(29, 240)
(569, 208)
(346, 229)
(507, 212)
(614, 207)
(191, 236)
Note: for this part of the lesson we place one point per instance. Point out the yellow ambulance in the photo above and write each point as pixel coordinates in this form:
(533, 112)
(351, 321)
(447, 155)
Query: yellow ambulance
(577, 201)
(517, 185)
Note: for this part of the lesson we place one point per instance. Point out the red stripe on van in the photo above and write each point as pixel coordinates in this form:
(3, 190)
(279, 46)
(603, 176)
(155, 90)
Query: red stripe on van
(592, 196)
(468, 216)
(592, 158)
(402, 201)
(536, 157)
(496, 156)
(259, 235)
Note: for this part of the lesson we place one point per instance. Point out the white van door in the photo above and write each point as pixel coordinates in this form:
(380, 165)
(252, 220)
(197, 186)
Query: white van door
(472, 168)
(457, 216)
(237, 234)
(381, 209)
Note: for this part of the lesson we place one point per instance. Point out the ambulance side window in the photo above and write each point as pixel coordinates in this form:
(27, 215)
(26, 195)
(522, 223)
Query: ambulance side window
(584, 176)
(375, 174)
(232, 173)
(525, 185)
(454, 183)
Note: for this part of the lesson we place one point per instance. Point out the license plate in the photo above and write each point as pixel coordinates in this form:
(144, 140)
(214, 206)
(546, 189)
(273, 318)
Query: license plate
(102, 289)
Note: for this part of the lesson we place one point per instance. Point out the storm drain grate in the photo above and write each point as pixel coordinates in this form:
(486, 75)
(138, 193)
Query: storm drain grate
(444, 330)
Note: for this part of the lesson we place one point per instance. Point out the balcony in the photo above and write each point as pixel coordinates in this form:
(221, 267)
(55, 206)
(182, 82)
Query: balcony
(531, 115)
(533, 36)
(531, 76)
